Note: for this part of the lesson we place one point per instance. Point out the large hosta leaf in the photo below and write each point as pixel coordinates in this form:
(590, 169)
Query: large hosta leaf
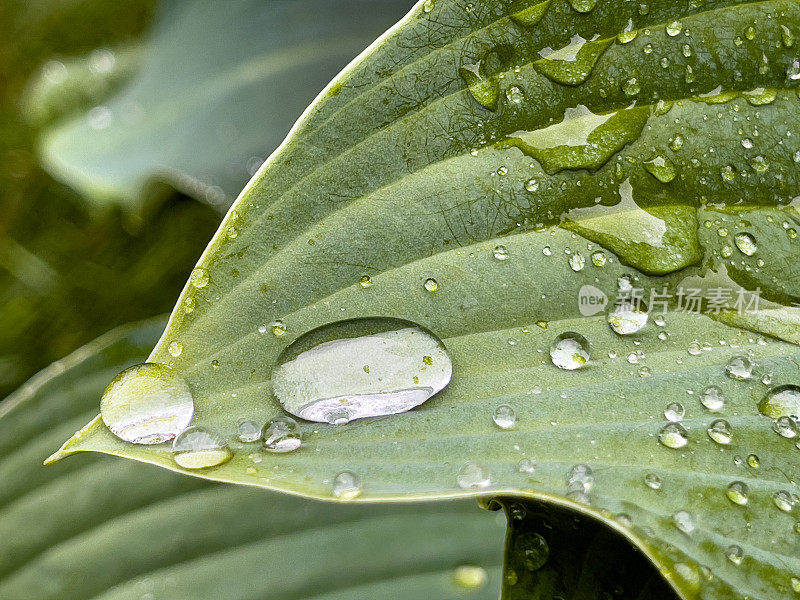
(514, 153)
(98, 529)
(219, 86)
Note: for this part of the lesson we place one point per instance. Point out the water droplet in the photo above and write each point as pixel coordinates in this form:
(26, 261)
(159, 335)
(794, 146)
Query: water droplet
(577, 262)
(278, 328)
(500, 252)
(428, 5)
(199, 278)
(281, 435)
(469, 577)
(573, 63)
(197, 448)
(781, 401)
(713, 398)
(661, 168)
(527, 466)
(674, 28)
(720, 431)
(673, 435)
(473, 476)
(532, 185)
(761, 96)
(683, 521)
(365, 281)
(676, 143)
(783, 500)
(785, 427)
(652, 481)
(599, 258)
(504, 417)
(628, 318)
(631, 87)
(739, 368)
(431, 285)
(753, 461)
(759, 164)
(321, 375)
(147, 404)
(579, 482)
(674, 412)
(569, 351)
(248, 431)
(583, 6)
(532, 550)
(346, 485)
(515, 95)
(175, 349)
(734, 554)
(738, 493)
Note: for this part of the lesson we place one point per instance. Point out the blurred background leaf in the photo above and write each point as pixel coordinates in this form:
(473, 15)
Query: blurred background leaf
(219, 87)
(103, 528)
(71, 269)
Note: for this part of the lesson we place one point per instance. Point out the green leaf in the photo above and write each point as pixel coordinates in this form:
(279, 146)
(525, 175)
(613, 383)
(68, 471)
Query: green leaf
(400, 173)
(218, 89)
(95, 528)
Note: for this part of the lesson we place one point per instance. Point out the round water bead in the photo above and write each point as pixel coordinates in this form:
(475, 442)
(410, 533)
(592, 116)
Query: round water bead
(739, 368)
(720, 431)
(248, 431)
(674, 412)
(781, 401)
(652, 481)
(360, 368)
(785, 427)
(473, 476)
(738, 493)
(504, 417)
(147, 404)
(569, 351)
(533, 550)
(628, 318)
(673, 435)
(346, 485)
(197, 448)
(281, 435)
(713, 398)
(683, 521)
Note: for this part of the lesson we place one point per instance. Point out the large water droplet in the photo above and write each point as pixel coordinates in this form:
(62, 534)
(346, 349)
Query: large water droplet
(785, 427)
(583, 6)
(572, 64)
(569, 351)
(147, 404)
(661, 168)
(360, 368)
(248, 431)
(781, 401)
(533, 550)
(197, 448)
(504, 417)
(683, 521)
(783, 500)
(746, 243)
(674, 412)
(673, 435)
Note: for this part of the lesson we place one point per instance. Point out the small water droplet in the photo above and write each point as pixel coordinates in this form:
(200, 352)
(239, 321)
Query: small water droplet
(674, 412)
(569, 351)
(515, 95)
(628, 318)
(583, 6)
(365, 281)
(527, 466)
(713, 398)
(431, 285)
(720, 431)
(248, 431)
(674, 28)
(734, 554)
(504, 417)
(683, 521)
(673, 435)
(532, 550)
(661, 168)
(785, 427)
(321, 375)
(532, 185)
(738, 493)
(197, 448)
(631, 87)
(599, 258)
(281, 435)
(783, 500)
(199, 278)
(473, 476)
(147, 404)
(346, 485)
(753, 461)
(500, 252)
(278, 328)
(175, 349)
(428, 5)
(739, 368)
(579, 482)
(652, 481)
(577, 262)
